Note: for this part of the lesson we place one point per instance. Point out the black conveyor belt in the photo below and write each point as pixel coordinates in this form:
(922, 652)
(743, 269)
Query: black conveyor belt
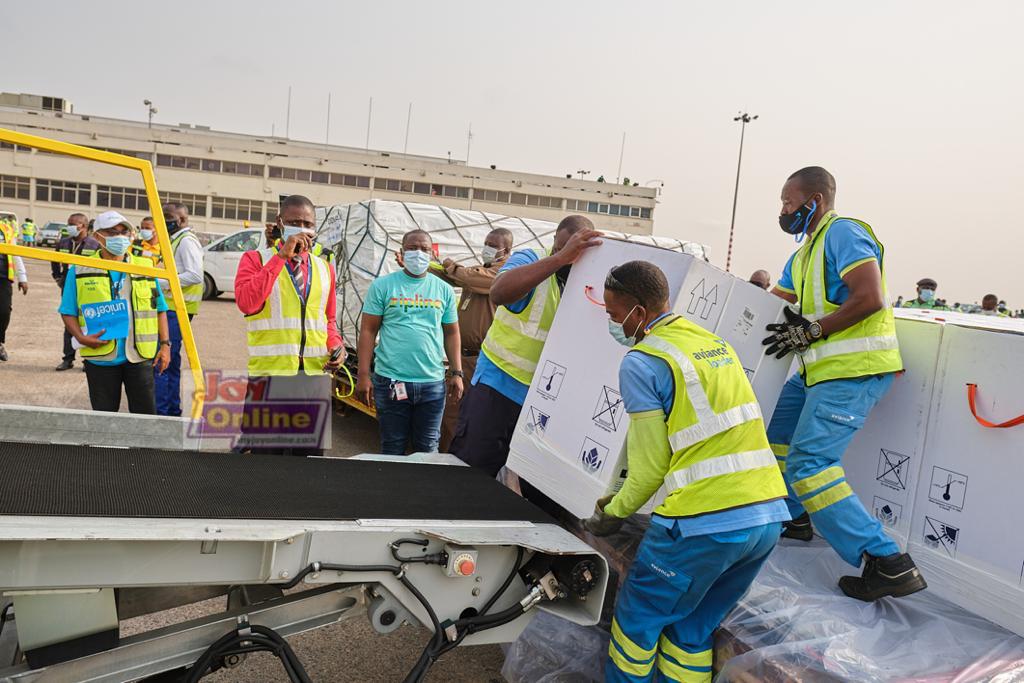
(82, 481)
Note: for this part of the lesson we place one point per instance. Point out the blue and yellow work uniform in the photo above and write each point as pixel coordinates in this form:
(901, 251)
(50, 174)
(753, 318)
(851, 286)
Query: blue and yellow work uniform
(696, 433)
(841, 378)
(28, 233)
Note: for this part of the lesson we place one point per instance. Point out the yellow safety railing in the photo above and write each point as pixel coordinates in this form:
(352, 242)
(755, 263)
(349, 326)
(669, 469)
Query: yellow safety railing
(168, 272)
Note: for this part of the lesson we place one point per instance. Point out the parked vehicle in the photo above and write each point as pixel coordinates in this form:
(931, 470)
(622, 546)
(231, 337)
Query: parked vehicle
(51, 233)
(221, 257)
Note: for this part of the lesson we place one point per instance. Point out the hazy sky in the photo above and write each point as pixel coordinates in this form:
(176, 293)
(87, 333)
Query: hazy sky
(916, 107)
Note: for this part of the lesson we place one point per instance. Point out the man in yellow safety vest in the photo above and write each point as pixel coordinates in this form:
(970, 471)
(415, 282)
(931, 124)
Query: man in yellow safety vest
(11, 269)
(844, 335)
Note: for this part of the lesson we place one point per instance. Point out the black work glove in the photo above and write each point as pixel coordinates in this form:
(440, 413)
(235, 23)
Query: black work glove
(601, 523)
(792, 335)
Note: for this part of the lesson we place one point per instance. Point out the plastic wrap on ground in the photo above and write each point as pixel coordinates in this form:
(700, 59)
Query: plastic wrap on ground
(366, 235)
(795, 625)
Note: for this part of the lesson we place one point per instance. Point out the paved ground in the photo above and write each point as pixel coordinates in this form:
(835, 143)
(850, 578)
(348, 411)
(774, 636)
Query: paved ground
(349, 651)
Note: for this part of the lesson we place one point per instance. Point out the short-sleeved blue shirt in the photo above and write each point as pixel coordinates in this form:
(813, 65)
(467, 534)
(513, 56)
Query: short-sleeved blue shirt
(412, 310)
(847, 245)
(69, 306)
(646, 384)
(486, 371)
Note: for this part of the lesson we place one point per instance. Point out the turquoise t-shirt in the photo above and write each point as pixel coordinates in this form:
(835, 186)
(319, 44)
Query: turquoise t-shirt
(410, 347)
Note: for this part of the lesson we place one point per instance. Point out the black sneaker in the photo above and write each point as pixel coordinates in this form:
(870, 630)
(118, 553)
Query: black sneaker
(799, 529)
(65, 365)
(894, 576)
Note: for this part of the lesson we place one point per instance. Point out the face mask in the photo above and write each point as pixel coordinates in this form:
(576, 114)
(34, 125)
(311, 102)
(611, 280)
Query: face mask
(117, 244)
(290, 230)
(172, 226)
(927, 295)
(416, 262)
(146, 235)
(489, 254)
(796, 223)
(619, 333)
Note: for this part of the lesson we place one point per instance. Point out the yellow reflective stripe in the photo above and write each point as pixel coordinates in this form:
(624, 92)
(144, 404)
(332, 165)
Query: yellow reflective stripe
(815, 482)
(677, 653)
(828, 497)
(674, 672)
(626, 666)
(781, 450)
(853, 265)
(628, 646)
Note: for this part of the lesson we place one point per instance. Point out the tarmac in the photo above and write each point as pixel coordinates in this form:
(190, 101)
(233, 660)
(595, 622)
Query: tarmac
(347, 651)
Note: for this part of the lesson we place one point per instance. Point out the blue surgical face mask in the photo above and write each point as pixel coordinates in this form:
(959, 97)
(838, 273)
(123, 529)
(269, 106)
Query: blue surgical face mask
(927, 295)
(618, 333)
(117, 244)
(290, 230)
(146, 235)
(416, 261)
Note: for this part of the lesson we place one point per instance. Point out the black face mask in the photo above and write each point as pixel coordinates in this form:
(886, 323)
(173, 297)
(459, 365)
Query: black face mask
(172, 226)
(562, 275)
(796, 223)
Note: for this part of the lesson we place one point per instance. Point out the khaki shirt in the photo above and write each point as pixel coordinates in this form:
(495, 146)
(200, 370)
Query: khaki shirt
(475, 309)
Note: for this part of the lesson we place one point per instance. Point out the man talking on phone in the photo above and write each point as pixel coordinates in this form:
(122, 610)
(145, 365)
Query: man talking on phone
(289, 306)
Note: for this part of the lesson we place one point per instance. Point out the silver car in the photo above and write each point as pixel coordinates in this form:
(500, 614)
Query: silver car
(51, 233)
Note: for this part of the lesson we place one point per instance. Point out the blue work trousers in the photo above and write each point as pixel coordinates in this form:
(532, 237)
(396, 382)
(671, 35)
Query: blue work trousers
(809, 432)
(416, 418)
(168, 383)
(676, 594)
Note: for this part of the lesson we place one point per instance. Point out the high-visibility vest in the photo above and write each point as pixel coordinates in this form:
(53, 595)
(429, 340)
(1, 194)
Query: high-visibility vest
(150, 252)
(515, 341)
(66, 250)
(721, 459)
(28, 228)
(8, 236)
(866, 348)
(94, 285)
(193, 293)
(287, 328)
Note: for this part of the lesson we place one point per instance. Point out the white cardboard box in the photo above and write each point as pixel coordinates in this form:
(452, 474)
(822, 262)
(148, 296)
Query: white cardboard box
(569, 441)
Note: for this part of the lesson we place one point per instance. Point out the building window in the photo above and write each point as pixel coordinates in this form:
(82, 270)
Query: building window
(320, 177)
(108, 196)
(236, 209)
(196, 203)
(14, 187)
(273, 208)
(211, 165)
(495, 196)
(62, 191)
(610, 209)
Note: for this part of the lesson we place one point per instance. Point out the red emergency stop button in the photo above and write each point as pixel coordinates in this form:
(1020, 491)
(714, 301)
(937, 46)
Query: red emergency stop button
(465, 566)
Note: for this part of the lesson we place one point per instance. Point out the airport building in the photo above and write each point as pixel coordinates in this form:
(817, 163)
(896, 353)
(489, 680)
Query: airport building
(227, 179)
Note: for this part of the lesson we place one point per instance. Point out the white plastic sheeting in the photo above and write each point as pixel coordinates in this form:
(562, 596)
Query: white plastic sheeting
(366, 235)
(795, 625)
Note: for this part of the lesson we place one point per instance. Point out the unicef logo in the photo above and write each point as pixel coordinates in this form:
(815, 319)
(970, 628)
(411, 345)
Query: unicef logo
(89, 313)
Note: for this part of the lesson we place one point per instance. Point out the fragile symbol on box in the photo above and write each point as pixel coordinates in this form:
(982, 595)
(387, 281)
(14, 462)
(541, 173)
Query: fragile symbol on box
(702, 300)
(892, 469)
(551, 378)
(887, 512)
(609, 409)
(538, 421)
(948, 488)
(593, 455)
(939, 534)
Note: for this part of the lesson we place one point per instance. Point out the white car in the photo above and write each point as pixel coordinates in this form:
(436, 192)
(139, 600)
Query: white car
(52, 233)
(221, 257)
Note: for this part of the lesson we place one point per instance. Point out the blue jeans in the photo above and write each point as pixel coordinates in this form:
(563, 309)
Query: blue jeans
(809, 432)
(416, 418)
(168, 384)
(676, 594)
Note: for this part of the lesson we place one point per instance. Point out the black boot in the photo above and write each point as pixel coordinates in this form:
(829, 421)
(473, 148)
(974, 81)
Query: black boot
(65, 365)
(799, 529)
(895, 575)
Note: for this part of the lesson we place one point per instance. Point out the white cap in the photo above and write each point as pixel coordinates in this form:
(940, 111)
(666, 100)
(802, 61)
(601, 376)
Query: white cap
(109, 219)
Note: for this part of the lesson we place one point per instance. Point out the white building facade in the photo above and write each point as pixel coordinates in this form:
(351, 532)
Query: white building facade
(227, 179)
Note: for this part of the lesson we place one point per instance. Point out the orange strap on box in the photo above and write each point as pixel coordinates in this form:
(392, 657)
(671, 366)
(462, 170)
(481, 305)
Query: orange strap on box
(972, 392)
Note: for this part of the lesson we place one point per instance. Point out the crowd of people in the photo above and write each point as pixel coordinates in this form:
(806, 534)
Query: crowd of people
(453, 373)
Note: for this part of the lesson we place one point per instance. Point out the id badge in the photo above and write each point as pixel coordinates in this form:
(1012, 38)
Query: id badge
(400, 393)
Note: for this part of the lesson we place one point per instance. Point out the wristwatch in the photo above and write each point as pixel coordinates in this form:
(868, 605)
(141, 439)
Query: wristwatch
(164, 342)
(814, 330)
(455, 373)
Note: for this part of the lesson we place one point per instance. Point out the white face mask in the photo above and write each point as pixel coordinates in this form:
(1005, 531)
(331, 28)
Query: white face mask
(146, 235)
(489, 253)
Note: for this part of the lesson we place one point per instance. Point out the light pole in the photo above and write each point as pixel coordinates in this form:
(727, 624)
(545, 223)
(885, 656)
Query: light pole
(583, 173)
(151, 109)
(744, 118)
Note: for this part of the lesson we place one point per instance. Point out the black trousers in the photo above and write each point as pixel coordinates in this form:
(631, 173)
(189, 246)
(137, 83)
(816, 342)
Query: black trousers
(483, 436)
(105, 382)
(69, 350)
(6, 289)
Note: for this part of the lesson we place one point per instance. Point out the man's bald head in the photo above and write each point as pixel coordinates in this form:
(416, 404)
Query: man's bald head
(573, 224)
(816, 180)
(761, 278)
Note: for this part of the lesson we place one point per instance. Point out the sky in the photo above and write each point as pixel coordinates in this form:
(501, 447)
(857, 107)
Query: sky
(915, 107)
